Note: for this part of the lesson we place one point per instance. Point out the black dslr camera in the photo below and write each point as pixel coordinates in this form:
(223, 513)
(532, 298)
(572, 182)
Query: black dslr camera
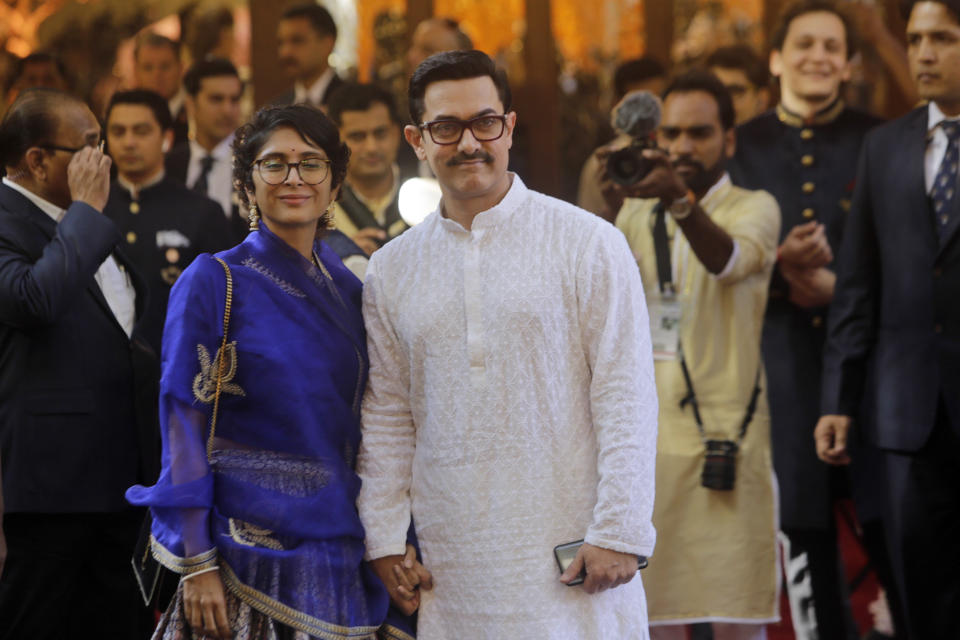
(720, 466)
(637, 116)
(628, 166)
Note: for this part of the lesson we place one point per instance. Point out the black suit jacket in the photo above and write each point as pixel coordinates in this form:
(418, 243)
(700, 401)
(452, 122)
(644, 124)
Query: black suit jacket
(177, 163)
(894, 330)
(78, 397)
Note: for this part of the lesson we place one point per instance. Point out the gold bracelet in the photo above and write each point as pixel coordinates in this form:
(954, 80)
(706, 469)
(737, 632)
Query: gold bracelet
(196, 573)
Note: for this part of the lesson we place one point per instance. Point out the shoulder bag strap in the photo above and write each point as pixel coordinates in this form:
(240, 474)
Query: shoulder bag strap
(222, 354)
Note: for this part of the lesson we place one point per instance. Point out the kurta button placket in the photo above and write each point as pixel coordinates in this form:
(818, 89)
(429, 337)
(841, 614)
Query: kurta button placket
(473, 292)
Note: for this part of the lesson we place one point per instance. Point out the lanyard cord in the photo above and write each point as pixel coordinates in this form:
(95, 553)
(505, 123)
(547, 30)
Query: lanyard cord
(661, 246)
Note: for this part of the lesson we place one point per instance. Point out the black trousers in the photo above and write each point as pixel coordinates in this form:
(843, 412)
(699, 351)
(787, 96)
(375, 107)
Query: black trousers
(69, 576)
(923, 532)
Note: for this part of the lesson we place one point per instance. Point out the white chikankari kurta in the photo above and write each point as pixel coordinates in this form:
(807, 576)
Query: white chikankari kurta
(511, 406)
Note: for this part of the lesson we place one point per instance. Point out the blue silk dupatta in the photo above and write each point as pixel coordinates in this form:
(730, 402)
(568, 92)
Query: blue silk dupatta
(272, 502)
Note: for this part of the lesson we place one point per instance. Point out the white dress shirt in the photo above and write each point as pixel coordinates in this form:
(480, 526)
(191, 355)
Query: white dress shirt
(113, 279)
(176, 103)
(936, 144)
(313, 95)
(220, 178)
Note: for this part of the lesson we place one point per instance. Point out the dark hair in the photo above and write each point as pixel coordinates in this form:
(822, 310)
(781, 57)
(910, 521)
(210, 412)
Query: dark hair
(637, 70)
(151, 39)
(353, 96)
(209, 68)
(30, 121)
(37, 58)
(703, 80)
(318, 17)
(801, 8)
(743, 58)
(953, 6)
(311, 124)
(205, 29)
(454, 65)
(150, 99)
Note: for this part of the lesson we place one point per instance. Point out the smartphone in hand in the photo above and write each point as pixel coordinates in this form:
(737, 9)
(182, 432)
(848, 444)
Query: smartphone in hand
(565, 553)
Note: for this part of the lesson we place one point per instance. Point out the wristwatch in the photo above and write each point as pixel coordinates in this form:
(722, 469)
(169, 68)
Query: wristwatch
(682, 207)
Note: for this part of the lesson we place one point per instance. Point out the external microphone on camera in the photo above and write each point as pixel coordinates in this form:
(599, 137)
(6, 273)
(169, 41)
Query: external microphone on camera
(638, 116)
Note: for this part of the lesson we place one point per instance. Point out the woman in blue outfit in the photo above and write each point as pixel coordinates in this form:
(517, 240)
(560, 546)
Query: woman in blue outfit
(255, 503)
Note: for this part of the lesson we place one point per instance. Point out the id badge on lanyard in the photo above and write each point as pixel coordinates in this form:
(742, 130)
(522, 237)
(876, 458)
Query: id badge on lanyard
(665, 314)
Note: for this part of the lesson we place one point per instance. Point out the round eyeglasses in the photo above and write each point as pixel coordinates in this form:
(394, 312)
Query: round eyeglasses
(311, 170)
(484, 128)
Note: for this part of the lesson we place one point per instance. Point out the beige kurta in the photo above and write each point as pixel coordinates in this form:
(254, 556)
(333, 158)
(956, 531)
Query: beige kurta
(716, 550)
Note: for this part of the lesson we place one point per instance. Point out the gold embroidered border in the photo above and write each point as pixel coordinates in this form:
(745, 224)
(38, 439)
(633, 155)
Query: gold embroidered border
(288, 615)
(389, 632)
(179, 564)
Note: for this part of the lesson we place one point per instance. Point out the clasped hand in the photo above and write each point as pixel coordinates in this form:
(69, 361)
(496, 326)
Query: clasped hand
(806, 247)
(606, 568)
(404, 577)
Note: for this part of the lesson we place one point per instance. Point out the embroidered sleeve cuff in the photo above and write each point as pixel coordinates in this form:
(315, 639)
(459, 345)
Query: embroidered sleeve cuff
(384, 551)
(641, 548)
(184, 566)
(731, 262)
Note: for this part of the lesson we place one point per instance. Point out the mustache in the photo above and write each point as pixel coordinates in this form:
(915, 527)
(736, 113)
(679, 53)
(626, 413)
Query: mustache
(688, 162)
(461, 158)
(287, 62)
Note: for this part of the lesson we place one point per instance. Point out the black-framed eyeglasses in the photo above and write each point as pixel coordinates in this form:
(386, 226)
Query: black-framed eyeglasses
(484, 128)
(55, 147)
(311, 170)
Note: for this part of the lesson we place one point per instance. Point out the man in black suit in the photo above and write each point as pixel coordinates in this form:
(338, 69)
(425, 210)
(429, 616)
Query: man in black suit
(77, 383)
(205, 163)
(892, 358)
(156, 67)
(306, 36)
(164, 224)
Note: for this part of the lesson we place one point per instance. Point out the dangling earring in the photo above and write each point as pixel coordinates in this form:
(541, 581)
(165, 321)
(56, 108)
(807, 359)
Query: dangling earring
(254, 217)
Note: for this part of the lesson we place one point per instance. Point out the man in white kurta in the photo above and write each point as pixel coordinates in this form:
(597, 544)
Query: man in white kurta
(511, 404)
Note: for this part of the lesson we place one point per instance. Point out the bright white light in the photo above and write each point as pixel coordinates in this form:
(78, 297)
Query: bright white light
(418, 198)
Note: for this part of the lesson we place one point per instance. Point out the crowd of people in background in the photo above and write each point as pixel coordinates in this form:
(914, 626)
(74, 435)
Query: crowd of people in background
(788, 259)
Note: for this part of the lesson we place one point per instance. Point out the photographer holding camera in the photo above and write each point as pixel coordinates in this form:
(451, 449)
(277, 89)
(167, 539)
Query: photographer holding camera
(705, 250)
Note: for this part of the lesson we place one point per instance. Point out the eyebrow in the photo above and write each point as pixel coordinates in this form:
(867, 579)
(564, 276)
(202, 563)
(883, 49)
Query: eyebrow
(305, 154)
(484, 112)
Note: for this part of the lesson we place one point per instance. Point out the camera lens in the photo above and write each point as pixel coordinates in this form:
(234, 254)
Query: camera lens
(627, 166)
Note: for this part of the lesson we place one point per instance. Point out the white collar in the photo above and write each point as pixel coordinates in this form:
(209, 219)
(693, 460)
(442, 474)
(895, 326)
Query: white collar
(46, 206)
(223, 150)
(717, 186)
(313, 95)
(176, 102)
(935, 116)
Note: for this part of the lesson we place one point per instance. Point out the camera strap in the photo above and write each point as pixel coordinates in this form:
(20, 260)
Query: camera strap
(661, 247)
